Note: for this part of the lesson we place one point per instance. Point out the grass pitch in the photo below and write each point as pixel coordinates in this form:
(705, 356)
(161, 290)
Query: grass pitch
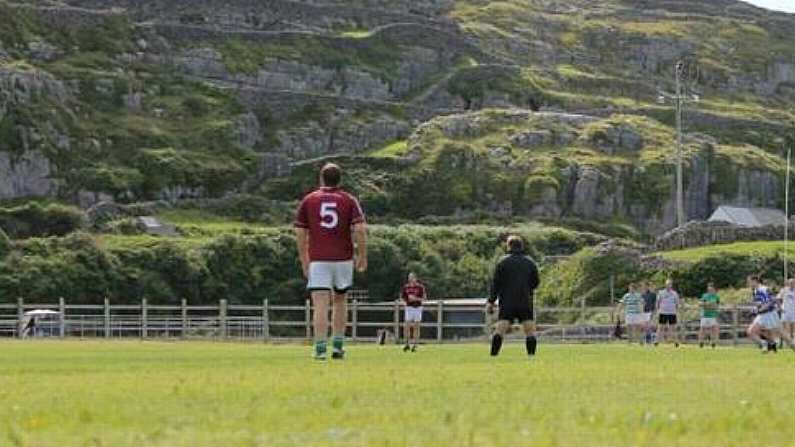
(94, 393)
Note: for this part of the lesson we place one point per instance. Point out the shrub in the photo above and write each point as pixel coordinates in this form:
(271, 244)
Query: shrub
(36, 220)
(127, 226)
(248, 267)
(5, 244)
(43, 270)
(587, 275)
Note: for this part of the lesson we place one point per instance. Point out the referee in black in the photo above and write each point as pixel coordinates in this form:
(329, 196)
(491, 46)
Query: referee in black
(515, 280)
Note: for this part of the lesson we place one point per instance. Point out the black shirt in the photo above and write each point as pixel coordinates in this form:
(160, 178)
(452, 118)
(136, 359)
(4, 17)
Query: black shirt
(649, 301)
(515, 280)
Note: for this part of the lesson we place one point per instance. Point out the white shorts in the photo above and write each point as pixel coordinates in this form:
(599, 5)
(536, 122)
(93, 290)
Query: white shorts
(646, 317)
(709, 322)
(636, 319)
(334, 275)
(768, 320)
(413, 314)
(788, 317)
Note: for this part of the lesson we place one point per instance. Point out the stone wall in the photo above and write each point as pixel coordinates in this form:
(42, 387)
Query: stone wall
(280, 14)
(448, 42)
(699, 233)
(281, 75)
(62, 17)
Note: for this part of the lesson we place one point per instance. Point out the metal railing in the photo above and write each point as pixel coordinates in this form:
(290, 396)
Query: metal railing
(444, 321)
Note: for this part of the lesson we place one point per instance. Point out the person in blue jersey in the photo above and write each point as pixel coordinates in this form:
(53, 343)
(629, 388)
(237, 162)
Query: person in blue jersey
(766, 323)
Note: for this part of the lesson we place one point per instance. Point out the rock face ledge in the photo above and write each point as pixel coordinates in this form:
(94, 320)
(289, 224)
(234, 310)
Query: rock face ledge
(26, 175)
(597, 168)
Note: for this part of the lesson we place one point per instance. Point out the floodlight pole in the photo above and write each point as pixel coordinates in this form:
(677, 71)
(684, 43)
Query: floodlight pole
(679, 99)
(786, 217)
(680, 206)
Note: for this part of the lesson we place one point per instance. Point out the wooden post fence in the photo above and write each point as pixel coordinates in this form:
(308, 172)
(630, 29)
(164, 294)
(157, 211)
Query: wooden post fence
(184, 317)
(582, 309)
(290, 321)
(308, 318)
(735, 324)
(222, 318)
(354, 318)
(266, 332)
(20, 314)
(144, 319)
(439, 321)
(106, 317)
(396, 320)
(62, 320)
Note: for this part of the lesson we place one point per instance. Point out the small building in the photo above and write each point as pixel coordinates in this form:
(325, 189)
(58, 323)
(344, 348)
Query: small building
(156, 227)
(748, 217)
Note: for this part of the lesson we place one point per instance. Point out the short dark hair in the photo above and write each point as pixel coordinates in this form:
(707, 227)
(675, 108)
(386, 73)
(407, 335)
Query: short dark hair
(331, 175)
(755, 278)
(515, 243)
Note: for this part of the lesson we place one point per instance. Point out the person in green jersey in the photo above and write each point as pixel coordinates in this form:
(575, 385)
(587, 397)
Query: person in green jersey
(632, 304)
(710, 327)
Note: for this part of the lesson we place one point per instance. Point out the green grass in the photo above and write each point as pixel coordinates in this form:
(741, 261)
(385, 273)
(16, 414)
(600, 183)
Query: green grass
(187, 218)
(115, 242)
(759, 248)
(195, 394)
(357, 34)
(394, 149)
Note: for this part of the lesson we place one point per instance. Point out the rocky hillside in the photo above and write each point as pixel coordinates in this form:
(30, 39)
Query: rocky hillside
(537, 108)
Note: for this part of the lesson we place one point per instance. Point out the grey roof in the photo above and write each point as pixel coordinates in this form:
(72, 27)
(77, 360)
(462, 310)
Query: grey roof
(154, 226)
(748, 217)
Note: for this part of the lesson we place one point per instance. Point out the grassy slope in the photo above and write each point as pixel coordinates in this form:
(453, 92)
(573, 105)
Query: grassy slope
(531, 173)
(182, 134)
(763, 248)
(606, 30)
(167, 394)
(188, 143)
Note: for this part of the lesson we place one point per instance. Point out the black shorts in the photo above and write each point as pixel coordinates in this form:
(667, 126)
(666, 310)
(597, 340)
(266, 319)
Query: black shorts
(520, 314)
(667, 319)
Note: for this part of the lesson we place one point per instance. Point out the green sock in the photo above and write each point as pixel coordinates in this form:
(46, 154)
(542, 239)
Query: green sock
(336, 342)
(320, 347)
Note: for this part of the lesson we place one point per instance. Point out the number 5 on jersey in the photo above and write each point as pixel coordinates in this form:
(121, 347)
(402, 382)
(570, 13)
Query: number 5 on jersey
(329, 217)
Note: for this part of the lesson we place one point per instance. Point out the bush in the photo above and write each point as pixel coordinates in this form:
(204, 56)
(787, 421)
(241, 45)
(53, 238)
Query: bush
(35, 220)
(587, 275)
(43, 270)
(127, 227)
(727, 271)
(5, 244)
(248, 267)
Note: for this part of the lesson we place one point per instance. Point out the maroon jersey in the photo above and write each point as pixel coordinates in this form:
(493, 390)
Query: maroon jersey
(416, 289)
(329, 214)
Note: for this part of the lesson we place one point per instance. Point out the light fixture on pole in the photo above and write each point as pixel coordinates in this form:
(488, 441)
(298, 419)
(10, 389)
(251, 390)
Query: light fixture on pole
(682, 73)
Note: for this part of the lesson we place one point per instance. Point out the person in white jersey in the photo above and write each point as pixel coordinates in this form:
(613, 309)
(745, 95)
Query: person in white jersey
(787, 298)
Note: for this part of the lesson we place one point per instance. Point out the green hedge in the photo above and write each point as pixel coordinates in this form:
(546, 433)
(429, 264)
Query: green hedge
(257, 264)
(587, 274)
(36, 220)
(727, 271)
(5, 244)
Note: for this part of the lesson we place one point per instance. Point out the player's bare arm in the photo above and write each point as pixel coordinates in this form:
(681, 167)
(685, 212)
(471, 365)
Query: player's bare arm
(360, 238)
(302, 243)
